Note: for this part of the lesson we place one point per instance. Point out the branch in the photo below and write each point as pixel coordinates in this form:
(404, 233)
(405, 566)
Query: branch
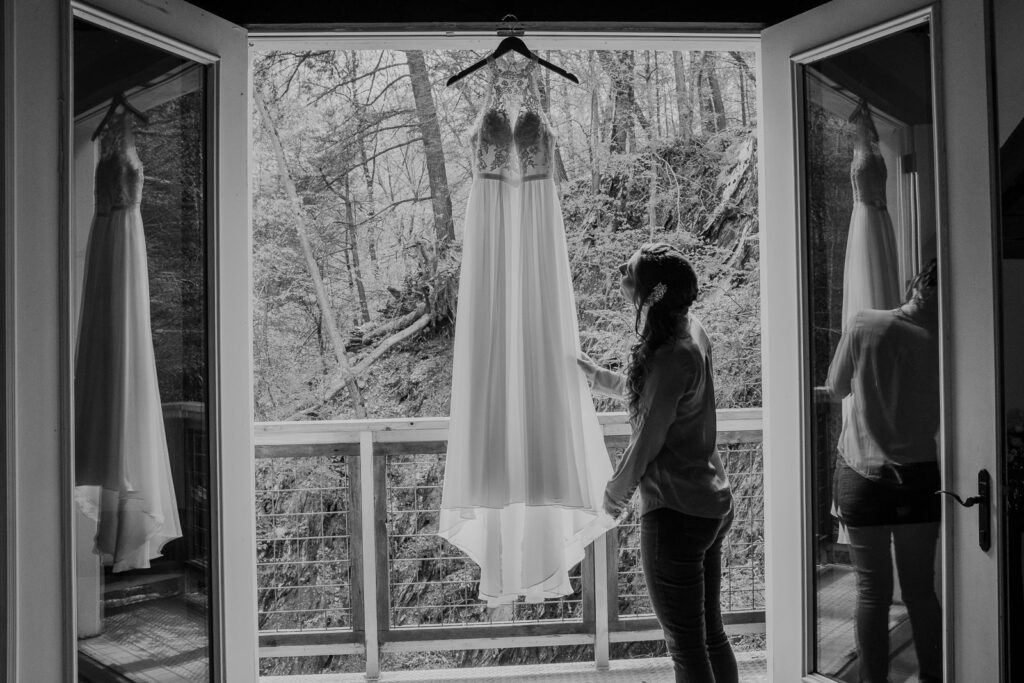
(349, 81)
(742, 64)
(396, 324)
(382, 348)
(365, 364)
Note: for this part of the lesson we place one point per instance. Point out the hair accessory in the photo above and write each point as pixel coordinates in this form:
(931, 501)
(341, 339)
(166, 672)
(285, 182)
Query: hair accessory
(657, 293)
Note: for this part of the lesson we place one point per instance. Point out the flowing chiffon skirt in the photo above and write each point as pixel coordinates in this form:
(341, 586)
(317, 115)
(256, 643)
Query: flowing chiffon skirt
(870, 281)
(123, 474)
(871, 272)
(526, 465)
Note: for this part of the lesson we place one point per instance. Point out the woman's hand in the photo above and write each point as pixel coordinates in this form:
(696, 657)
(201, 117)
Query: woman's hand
(612, 509)
(588, 366)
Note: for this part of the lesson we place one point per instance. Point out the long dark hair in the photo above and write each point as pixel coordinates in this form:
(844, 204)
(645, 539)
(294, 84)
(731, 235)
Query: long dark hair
(661, 269)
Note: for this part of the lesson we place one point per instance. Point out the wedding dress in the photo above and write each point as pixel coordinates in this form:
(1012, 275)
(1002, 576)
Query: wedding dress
(526, 464)
(871, 275)
(122, 465)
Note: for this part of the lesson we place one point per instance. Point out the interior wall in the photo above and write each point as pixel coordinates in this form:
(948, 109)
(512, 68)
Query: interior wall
(5, 592)
(1013, 333)
(1008, 23)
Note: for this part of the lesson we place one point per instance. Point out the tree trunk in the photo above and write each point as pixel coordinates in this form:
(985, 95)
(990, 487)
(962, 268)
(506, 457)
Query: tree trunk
(717, 107)
(353, 248)
(620, 65)
(652, 204)
(441, 198)
(368, 165)
(685, 130)
(743, 66)
(656, 78)
(595, 128)
(743, 99)
(313, 268)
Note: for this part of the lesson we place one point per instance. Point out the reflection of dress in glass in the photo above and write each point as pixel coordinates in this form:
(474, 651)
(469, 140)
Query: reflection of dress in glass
(526, 464)
(122, 468)
(871, 276)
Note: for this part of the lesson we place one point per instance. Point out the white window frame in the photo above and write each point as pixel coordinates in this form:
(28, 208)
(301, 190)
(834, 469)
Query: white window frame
(296, 41)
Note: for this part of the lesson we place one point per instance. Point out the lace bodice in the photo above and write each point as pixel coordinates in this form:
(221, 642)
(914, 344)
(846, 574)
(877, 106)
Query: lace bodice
(119, 173)
(868, 175)
(867, 170)
(522, 150)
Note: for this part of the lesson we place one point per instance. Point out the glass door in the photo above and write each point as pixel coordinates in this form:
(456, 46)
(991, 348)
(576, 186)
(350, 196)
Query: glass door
(865, 374)
(156, 268)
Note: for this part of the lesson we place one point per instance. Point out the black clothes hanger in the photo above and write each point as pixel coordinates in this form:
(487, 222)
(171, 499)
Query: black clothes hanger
(116, 101)
(512, 43)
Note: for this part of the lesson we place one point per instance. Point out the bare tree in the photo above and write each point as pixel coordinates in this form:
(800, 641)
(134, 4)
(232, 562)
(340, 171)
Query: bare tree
(620, 65)
(302, 231)
(713, 104)
(444, 228)
(353, 248)
(685, 114)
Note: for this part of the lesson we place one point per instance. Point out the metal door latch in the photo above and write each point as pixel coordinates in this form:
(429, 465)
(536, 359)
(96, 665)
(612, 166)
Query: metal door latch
(982, 501)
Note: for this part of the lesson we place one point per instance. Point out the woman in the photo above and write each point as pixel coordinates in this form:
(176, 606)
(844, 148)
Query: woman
(887, 361)
(685, 500)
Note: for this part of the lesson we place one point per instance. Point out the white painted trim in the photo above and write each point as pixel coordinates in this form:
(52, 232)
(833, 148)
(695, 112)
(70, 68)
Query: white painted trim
(971, 346)
(66, 344)
(486, 40)
(601, 635)
(312, 650)
(485, 643)
(369, 548)
(38, 571)
(8, 555)
(734, 421)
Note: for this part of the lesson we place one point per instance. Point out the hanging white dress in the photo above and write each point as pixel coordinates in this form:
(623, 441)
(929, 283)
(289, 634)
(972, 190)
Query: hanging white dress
(527, 464)
(871, 273)
(122, 466)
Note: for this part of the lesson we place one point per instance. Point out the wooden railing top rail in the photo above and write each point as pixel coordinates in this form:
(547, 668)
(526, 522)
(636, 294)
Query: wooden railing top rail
(734, 425)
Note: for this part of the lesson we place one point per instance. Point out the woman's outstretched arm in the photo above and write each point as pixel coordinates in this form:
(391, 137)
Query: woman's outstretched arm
(840, 371)
(663, 389)
(602, 380)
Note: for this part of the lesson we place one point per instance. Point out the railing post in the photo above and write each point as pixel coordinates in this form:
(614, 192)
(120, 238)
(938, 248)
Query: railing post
(369, 548)
(601, 602)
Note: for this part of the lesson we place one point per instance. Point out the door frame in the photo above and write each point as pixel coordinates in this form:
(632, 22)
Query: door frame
(7, 594)
(201, 37)
(964, 166)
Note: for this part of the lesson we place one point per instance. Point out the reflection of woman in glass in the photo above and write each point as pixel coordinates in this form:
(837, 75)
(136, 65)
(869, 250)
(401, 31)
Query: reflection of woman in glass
(685, 499)
(888, 361)
(870, 275)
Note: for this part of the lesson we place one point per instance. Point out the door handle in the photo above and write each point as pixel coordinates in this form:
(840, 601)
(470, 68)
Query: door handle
(982, 501)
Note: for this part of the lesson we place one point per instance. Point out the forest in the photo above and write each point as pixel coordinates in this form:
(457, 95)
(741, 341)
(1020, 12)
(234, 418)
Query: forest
(360, 174)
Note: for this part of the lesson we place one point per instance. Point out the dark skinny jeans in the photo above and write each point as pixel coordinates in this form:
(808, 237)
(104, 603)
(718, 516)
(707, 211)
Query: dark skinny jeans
(682, 563)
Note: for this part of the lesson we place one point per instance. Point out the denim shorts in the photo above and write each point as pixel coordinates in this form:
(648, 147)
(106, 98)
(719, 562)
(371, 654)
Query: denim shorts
(866, 502)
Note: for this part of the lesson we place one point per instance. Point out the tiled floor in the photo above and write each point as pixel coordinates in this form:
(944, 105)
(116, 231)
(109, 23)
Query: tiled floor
(752, 670)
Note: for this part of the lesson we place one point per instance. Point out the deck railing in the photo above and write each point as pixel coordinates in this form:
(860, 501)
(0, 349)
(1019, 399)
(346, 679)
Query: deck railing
(349, 561)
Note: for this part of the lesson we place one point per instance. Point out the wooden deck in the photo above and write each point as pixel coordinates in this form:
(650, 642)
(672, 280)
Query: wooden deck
(753, 669)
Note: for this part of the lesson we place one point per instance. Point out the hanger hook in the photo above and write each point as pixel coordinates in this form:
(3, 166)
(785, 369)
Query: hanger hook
(510, 26)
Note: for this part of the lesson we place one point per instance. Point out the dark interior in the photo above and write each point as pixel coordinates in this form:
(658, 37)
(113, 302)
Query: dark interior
(625, 14)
